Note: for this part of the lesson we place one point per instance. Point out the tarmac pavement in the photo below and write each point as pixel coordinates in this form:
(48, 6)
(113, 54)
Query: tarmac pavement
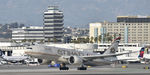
(132, 69)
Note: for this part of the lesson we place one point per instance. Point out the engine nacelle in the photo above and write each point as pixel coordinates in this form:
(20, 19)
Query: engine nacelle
(75, 60)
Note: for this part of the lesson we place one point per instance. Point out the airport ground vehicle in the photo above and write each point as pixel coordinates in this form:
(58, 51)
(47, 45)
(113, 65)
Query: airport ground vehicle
(33, 64)
(54, 65)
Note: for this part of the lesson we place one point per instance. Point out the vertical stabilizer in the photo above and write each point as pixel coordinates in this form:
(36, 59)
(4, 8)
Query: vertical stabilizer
(114, 46)
(141, 52)
(1, 54)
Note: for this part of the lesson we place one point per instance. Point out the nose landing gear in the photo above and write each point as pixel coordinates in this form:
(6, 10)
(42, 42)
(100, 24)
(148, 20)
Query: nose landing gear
(64, 67)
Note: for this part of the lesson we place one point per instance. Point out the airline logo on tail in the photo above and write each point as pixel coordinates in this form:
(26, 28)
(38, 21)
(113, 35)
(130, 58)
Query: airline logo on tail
(141, 52)
(118, 38)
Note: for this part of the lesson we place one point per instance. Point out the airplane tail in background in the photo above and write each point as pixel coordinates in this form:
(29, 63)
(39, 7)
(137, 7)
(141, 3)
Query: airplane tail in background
(141, 52)
(1, 54)
(114, 46)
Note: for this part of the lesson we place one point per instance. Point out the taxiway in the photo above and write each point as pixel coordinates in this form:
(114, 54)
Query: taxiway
(132, 69)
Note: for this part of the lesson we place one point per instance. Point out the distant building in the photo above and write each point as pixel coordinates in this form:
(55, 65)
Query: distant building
(130, 32)
(133, 19)
(53, 24)
(95, 30)
(71, 34)
(30, 34)
(5, 40)
(67, 39)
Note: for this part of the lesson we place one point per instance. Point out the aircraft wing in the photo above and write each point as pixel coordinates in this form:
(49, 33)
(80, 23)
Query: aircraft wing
(104, 55)
(128, 59)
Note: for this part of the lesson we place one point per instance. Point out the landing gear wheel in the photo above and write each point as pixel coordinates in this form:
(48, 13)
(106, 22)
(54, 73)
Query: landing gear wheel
(82, 68)
(63, 67)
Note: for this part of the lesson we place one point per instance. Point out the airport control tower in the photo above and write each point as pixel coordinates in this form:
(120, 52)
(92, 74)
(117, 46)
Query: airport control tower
(53, 24)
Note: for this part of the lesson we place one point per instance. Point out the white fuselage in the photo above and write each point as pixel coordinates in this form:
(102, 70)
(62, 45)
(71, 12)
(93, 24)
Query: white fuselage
(50, 52)
(59, 54)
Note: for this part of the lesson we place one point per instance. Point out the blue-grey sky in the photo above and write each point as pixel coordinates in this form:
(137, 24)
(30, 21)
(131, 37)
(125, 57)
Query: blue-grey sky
(77, 13)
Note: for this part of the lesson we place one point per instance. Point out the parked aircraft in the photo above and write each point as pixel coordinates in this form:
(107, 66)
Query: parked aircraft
(14, 59)
(73, 56)
(142, 56)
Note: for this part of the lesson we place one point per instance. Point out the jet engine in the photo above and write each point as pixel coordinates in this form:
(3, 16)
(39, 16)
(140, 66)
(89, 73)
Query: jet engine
(75, 60)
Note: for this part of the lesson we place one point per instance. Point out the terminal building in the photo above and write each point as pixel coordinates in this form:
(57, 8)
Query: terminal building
(30, 34)
(53, 24)
(131, 32)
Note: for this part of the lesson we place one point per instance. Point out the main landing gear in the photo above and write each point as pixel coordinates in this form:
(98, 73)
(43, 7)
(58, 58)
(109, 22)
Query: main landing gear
(82, 68)
(63, 67)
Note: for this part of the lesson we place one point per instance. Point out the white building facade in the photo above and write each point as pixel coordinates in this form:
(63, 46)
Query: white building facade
(31, 34)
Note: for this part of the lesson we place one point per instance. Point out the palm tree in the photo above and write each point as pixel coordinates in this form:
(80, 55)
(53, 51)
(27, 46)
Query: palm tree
(78, 40)
(114, 35)
(99, 38)
(24, 40)
(87, 39)
(55, 40)
(29, 40)
(107, 34)
(73, 40)
(105, 38)
(34, 40)
(14, 41)
(91, 41)
(42, 40)
(109, 38)
(84, 40)
(95, 39)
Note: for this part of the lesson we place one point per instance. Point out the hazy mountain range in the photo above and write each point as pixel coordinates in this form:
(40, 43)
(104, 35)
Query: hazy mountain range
(77, 13)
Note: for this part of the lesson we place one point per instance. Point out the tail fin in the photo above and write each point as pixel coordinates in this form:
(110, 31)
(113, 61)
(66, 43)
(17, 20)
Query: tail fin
(114, 46)
(141, 52)
(1, 54)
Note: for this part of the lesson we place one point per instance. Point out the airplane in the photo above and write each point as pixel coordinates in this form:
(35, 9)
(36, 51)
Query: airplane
(144, 55)
(72, 56)
(141, 56)
(14, 59)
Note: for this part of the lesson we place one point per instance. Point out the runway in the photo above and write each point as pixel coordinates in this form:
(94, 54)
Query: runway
(90, 71)
(44, 70)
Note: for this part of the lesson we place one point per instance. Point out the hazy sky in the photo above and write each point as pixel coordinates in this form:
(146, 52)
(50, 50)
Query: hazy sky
(77, 13)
